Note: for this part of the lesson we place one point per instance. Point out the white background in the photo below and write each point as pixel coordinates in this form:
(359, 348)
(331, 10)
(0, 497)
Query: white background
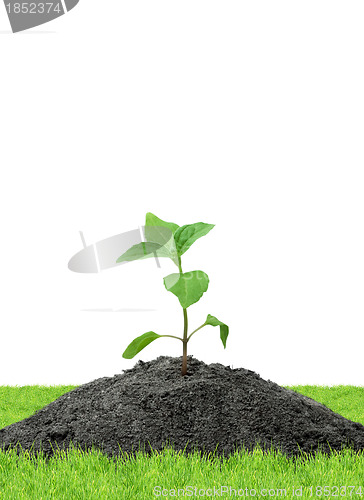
(247, 115)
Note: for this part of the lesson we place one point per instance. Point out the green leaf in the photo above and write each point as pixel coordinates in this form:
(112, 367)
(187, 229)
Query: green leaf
(224, 329)
(188, 234)
(160, 231)
(152, 220)
(139, 343)
(188, 287)
(140, 251)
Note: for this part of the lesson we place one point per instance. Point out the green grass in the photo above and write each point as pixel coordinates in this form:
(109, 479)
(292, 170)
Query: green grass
(80, 475)
(17, 403)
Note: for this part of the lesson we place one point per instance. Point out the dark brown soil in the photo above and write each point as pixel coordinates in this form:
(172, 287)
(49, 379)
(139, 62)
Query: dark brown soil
(213, 409)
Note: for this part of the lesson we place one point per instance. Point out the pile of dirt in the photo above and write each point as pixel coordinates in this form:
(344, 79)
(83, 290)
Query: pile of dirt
(213, 409)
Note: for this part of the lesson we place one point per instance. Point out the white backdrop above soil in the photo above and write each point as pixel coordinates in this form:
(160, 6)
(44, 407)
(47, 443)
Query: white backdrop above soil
(244, 116)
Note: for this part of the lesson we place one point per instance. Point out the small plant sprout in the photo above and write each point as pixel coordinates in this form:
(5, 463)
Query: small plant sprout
(166, 239)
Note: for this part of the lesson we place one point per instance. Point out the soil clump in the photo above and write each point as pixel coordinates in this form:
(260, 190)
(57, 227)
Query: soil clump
(214, 409)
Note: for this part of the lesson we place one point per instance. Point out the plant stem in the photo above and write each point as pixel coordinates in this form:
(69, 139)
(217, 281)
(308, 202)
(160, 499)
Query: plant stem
(185, 328)
(179, 265)
(173, 337)
(199, 328)
(185, 340)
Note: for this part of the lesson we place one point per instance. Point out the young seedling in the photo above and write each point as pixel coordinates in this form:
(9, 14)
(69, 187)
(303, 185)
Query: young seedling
(166, 239)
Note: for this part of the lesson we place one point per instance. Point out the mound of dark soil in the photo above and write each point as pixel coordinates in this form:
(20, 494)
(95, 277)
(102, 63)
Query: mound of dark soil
(213, 409)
